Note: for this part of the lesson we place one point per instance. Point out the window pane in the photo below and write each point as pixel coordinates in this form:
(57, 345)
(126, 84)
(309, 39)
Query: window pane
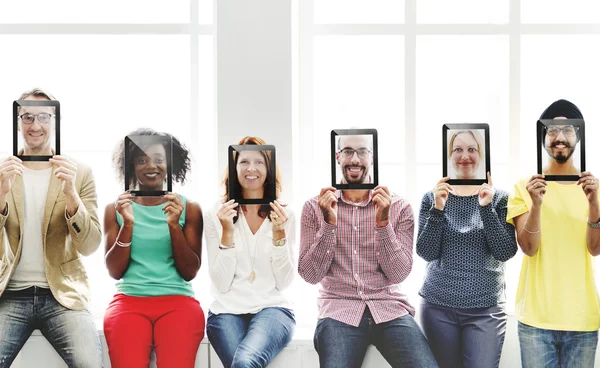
(106, 11)
(462, 11)
(304, 295)
(359, 11)
(512, 272)
(502, 180)
(359, 83)
(206, 11)
(205, 185)
(108, 85)
(559, 11)
(205, 154)
(572, 75)
(427, 176)
(501, 177)
(461, 79)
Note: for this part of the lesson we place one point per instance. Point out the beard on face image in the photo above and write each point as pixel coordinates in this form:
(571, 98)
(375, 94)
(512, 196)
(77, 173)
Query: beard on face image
(355, 174)
(559, 155)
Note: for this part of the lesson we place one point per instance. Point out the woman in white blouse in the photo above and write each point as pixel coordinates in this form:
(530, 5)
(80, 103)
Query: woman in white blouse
(251, 261)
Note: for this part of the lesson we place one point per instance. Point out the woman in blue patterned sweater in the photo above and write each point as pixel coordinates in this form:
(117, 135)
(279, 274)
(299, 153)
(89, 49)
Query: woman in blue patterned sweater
(464, 237)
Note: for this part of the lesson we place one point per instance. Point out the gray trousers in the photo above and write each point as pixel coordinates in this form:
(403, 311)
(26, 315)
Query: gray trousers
(470, 338)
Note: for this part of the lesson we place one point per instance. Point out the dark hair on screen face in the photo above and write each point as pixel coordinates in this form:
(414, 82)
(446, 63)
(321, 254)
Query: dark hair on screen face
(181, 156)
(564, 108)
(236, 188)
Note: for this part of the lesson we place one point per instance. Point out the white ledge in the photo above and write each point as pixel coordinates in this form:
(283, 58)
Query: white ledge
(299, 353)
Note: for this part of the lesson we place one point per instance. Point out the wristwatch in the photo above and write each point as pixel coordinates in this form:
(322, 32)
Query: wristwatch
(279, 242)
(594, 225)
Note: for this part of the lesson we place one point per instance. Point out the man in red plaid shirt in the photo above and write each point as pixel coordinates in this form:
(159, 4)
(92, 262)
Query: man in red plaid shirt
(358, 244)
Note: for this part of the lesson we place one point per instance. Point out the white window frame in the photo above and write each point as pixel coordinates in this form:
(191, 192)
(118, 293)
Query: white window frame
(193, 28)
(515, 29)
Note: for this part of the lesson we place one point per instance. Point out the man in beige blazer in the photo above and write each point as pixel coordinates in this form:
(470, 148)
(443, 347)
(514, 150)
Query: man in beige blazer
(48, 221)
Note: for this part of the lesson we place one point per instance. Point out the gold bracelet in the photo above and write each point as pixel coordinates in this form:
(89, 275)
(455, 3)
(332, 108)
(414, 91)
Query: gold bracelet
(530, 232)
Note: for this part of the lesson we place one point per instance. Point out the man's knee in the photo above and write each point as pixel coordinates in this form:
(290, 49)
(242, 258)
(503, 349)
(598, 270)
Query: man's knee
(248, 359)
(85, 351)
(86, 358)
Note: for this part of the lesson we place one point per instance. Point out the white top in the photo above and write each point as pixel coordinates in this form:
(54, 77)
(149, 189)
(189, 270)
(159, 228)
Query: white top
(230, 269)
(31, 270)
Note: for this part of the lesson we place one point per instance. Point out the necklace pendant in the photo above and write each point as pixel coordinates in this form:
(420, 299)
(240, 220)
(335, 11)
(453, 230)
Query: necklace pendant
(252, 277)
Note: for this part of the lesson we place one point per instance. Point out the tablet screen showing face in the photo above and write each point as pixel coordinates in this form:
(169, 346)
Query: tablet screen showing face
(36, 129)
(148, 164)
(252, 174)
(466, 152)
(561, 148)
(354, 158)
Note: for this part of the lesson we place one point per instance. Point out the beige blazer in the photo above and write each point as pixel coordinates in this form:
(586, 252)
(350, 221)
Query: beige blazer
(64, 239)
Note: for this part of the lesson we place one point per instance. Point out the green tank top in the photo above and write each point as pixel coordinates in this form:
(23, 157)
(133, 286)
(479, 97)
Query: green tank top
(151, 270)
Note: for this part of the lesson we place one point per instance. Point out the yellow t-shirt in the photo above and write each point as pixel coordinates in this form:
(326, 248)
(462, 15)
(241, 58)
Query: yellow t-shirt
(557, 290)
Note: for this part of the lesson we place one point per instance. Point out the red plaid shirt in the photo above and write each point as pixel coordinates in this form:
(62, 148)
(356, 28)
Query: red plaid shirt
(358, 264)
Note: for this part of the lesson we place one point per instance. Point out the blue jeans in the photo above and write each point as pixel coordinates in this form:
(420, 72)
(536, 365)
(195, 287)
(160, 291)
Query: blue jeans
(468, 338)
(549, 348)
(72, 333)
(250, 340)
(400, 341)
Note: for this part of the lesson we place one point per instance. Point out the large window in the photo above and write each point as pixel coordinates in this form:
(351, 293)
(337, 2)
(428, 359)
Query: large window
(404, 67)
(407, 67)
(116, 66)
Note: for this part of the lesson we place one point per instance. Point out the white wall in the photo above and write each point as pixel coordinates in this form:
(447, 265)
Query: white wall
(254, 78)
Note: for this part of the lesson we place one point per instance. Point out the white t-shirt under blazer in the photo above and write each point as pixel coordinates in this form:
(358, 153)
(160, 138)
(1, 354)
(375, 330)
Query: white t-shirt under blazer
(31, 269)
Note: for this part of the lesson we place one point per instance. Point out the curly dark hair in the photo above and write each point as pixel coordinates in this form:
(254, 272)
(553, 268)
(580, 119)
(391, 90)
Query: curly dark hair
(181, 156)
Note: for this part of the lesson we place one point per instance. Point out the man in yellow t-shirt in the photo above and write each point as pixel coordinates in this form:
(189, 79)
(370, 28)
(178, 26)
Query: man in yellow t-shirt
(558, 306)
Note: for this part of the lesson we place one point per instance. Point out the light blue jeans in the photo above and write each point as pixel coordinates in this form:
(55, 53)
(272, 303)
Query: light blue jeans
(72, 333)
(552, 349)
(250, 340)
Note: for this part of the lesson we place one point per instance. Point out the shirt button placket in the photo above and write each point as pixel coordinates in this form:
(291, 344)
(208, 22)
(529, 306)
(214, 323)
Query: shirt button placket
(355, 242)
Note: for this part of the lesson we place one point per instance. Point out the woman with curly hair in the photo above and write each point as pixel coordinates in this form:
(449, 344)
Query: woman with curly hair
(153, 247)
(251, 252)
